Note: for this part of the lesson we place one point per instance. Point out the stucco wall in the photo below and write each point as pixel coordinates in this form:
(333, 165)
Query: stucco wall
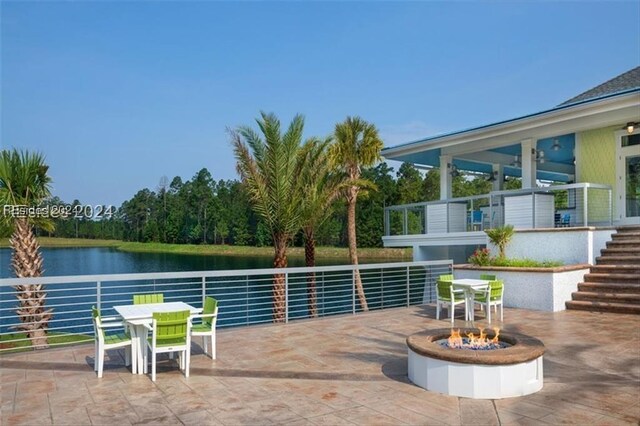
(542, 291)
(570, 246)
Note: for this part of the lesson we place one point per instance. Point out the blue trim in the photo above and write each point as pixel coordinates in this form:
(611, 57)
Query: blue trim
(558, 108)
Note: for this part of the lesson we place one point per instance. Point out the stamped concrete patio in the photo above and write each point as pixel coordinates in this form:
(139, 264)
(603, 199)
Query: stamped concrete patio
(333, 371)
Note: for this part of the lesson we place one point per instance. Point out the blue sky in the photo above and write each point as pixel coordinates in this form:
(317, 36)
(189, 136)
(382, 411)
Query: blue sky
(119, 94)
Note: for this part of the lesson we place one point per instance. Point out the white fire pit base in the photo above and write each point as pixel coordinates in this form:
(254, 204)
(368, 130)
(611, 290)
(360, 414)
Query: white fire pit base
(474, 380)
(492, 374)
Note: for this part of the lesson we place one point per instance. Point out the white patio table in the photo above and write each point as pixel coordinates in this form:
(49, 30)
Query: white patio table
(469, 286)
(137, 316)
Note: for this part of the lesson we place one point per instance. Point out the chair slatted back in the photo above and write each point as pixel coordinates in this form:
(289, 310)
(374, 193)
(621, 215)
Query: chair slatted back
(488, 277)
(140, 299)
(97, 328)
(448, 277)
(210, 307)
(171, 325)
(444, 290)
(496, 289)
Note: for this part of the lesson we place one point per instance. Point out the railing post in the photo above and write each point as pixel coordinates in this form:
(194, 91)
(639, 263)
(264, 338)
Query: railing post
(387, 230)
(533, 209)
(286, 297)
(405, 224)
(353, 291)
(585, 205)
(99, 295)
(425, 219)
(381, 288)
(204, 289)
(322, 292)
(447, 210)
(408, 296)
(610, 208)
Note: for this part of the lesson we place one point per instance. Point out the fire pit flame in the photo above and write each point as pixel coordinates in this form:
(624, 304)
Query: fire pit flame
(472, 341)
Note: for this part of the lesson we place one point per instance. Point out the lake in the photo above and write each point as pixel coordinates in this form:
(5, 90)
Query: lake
(242, 301)
(109, 260)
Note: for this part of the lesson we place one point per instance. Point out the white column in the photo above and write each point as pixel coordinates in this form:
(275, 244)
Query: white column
(528, 164)
(445, 177)
(498, 184)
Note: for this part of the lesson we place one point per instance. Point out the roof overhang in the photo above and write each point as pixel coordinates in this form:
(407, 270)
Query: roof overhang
(607, 111)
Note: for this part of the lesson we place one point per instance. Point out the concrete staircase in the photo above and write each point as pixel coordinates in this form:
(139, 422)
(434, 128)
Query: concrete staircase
(613, 284)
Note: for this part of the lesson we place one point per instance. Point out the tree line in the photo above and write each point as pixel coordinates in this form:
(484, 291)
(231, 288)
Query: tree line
(203, 210)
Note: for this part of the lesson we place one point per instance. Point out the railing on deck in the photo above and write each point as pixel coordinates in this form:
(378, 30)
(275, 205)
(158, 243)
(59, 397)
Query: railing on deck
(577, 204)
(244, 296)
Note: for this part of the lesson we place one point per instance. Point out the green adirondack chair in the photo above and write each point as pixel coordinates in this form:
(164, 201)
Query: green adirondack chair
(170, 332)
(448, 298)
(207, 328)
(140, 299)
(488, 277)
(104, 341)
(493, 296)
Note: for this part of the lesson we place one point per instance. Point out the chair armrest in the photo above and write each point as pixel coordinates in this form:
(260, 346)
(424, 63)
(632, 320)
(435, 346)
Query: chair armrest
(112, 324)
(116, 318)
(204, 316)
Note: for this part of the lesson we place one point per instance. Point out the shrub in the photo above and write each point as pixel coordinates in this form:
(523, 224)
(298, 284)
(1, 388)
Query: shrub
(500, 236)
(481, 257)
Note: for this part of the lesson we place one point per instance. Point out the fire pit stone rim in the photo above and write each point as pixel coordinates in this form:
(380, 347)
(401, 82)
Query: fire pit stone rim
(523, 348)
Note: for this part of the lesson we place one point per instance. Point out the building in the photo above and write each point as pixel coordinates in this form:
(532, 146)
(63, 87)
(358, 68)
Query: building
(579, 164)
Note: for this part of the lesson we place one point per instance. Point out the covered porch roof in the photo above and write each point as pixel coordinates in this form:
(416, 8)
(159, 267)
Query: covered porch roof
(550, 131)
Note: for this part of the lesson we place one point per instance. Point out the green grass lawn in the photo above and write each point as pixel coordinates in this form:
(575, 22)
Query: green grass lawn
(226, 250)
(14, 342)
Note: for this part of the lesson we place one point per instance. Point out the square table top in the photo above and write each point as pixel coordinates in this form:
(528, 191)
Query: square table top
(469, 282)
(146, 310)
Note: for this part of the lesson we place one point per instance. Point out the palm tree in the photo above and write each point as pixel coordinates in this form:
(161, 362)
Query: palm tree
(357, 145)
(269, 166)
(320, 189)
(24, 182)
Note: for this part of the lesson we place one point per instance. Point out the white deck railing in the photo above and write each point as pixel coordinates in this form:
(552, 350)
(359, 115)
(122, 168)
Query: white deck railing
(244, 296)
(577, 204)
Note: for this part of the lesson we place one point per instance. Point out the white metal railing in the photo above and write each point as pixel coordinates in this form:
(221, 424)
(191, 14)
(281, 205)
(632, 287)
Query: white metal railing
(244, 296)
(577, 204)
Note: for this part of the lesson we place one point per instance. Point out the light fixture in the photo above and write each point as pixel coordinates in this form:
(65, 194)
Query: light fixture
(516, 162)
(493, 176)
(631, 126)
(539, 155)
(556, 145)
(454, 170)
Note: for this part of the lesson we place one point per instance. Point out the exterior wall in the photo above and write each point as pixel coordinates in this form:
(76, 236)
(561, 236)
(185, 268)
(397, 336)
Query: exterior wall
(542, 291)
(459, 254)
(596, 161)
(568, 245)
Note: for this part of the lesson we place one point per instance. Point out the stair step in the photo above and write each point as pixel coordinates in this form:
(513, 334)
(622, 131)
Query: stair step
(611, 278)
(617, 251)
(616, 269)
(620, 308)
(628, 228)
(597, 296)
(631, 242)
(610, 287)
(618, 260)
(626, 236)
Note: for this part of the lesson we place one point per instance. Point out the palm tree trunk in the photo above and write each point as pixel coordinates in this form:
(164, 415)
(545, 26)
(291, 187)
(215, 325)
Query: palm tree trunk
(310, 259)
(352, 196)
(26, 260)
(279, 261)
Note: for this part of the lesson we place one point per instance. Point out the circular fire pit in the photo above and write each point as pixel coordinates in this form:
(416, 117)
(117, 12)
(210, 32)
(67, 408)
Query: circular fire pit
(511, 367)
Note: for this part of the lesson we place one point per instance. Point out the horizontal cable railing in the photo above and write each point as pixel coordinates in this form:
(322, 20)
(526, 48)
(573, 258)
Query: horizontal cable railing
(577, 204)
(245, 296)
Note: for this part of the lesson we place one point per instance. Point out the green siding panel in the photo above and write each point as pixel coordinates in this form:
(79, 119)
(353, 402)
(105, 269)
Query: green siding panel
(596, 163)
